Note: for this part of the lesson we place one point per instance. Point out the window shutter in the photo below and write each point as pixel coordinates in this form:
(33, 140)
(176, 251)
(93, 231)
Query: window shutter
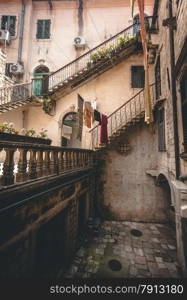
(47, 29)
(4, 22)
(43, 29)
(12, 25)
(158, 79)
(137, 77)
(161, 130)
(39, 29)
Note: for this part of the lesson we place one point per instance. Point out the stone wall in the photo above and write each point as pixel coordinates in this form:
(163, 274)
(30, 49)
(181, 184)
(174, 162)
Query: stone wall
(40, 224)
(129, 191)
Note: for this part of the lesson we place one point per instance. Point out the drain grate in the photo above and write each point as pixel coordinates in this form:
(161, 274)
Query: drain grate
(136, 232)
(114, 265)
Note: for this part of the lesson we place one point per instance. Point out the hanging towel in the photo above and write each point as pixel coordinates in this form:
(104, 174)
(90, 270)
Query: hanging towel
(104, 130)
(97, 116)
(88, 111)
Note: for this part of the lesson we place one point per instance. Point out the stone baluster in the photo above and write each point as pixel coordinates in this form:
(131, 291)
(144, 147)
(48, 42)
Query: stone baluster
(81, 159)
(8, 167)
(89, 159)
(68, 162)
(54, 162)
(39, 163)
(32, 165)
(65, 160)
(61, 161)
(46, 168)
(74, 158)
(22, 175)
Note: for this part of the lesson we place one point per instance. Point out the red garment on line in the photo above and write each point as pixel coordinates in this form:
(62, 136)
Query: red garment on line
(104, 130)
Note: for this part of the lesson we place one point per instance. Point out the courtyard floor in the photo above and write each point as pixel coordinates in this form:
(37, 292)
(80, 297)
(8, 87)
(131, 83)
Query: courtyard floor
(114, 252)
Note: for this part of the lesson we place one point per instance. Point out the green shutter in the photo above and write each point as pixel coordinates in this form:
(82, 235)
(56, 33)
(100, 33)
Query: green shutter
(43, 29)
(39, 29)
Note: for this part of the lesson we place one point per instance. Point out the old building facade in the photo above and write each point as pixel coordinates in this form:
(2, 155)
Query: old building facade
(139, 176)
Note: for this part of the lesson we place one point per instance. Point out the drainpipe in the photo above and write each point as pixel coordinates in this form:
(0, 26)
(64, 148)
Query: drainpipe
(21, 32)
(173, 92)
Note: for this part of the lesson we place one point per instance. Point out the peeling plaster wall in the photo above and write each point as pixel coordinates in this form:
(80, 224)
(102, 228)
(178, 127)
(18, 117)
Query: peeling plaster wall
(130, 194)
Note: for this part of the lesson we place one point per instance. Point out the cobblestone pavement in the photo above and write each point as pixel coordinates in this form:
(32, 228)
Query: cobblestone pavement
(153, 254)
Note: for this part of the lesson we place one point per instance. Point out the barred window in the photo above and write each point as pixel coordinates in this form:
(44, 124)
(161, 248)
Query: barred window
(43, 29)
(158, 79)
(183, 86)
(161, 130)
(9, 23)
(137, 77)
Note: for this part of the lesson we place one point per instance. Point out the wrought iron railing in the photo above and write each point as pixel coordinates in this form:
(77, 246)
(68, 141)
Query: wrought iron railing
(126, 113)
(106, 49)
(21, 162)
(14, 93)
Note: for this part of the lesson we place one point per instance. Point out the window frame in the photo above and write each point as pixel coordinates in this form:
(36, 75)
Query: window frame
(43, 35)
(158, 83)
(15, 25)
(161, 130)
(139, 84)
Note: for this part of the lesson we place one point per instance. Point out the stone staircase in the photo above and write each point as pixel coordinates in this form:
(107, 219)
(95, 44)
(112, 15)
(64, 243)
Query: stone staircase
(127, 115)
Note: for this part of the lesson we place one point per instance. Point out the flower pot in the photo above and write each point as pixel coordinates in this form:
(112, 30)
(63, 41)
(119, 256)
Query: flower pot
(8, 137)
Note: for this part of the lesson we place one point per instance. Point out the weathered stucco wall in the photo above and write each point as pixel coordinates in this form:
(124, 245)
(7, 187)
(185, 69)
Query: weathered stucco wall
(129, 193)
(94, 20)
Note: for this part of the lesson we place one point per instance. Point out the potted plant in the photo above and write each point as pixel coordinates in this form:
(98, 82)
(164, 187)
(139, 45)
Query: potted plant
(10, 134)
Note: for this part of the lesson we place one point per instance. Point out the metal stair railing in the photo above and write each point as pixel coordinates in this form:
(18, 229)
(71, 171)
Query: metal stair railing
(83, 63)
(130, 111)
(11, 94)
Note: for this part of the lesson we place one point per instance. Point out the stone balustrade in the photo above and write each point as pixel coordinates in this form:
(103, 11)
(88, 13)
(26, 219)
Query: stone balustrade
(39, 161)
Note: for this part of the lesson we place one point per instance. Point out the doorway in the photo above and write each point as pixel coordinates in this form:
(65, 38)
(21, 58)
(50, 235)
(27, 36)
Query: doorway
(40, 86)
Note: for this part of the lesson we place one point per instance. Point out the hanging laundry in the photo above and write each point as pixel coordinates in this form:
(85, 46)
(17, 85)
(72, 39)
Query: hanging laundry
(97, 116)
(88, 111)
(104, 130)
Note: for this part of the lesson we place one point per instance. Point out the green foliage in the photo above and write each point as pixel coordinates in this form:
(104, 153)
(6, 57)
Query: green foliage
(105, 52)
(8, 128)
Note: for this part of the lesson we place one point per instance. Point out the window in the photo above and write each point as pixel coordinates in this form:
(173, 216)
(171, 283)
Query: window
(183, 86)
(43, 29)
(161, 130)
(158, 79)
(9, 23)
(136, 23)
(7, 70)
(137, 77)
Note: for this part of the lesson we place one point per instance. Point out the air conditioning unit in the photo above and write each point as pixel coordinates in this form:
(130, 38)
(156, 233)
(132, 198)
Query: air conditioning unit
(5, 35)
(17, 69)
(79, 42)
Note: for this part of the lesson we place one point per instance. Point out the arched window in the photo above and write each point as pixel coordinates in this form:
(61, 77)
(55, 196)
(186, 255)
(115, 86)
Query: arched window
(40, 86)
(69, 130)
(183, 87)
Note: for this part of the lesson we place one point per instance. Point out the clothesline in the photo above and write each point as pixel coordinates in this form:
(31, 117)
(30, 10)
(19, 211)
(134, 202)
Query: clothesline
(91, 115)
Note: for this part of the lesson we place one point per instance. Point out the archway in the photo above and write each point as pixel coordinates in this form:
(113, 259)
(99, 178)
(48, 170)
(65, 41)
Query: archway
(70, 131)
(40, 85)
(170, 208)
